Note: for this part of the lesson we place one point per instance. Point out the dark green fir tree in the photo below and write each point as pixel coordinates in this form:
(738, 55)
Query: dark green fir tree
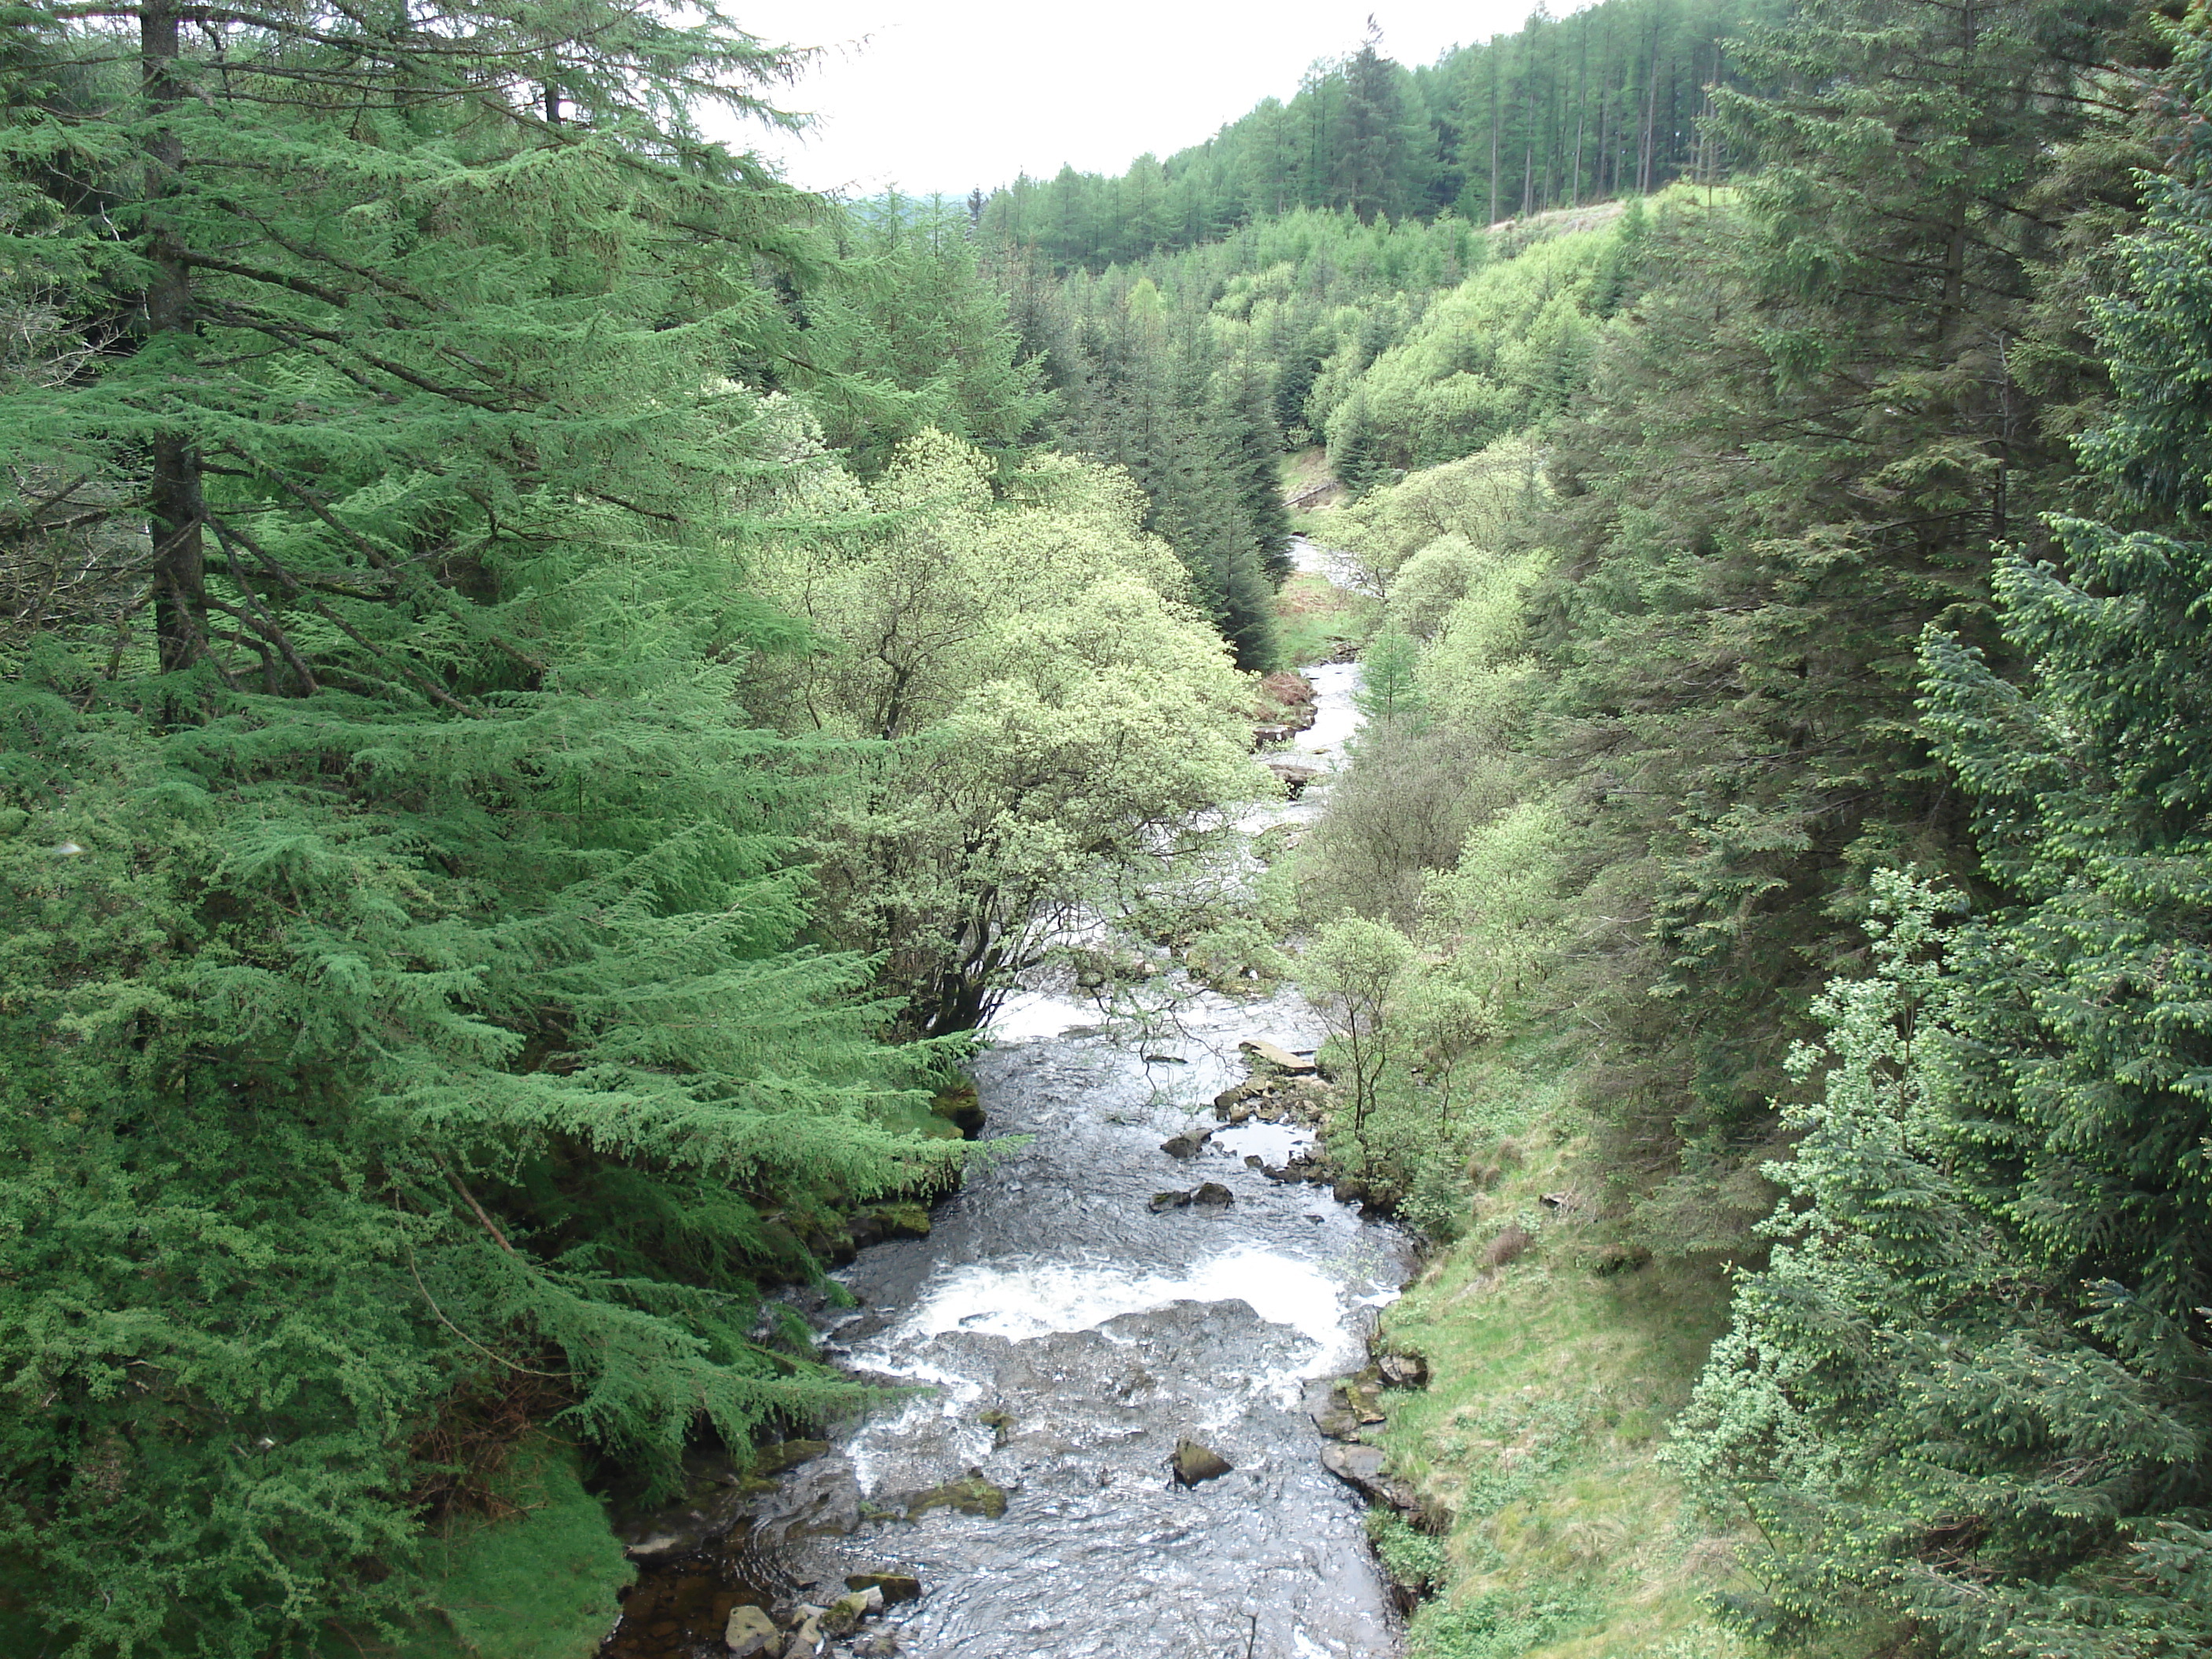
(408, 1044)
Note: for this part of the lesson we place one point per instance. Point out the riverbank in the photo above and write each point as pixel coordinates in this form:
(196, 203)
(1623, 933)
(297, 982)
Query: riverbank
(1510, 1435)
(1551, 1361)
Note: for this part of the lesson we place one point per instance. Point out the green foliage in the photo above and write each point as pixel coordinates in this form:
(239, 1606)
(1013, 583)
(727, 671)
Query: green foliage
(1387, 696)
(541, 1585)
(1353, 970)
(1151, 389)
(1495, 1625)
(1509, 348)
(913, 335)
(1602, 102)
(1970, 1389)
(1414, 1560)
(411, 1039)
(1048, 707)
(1908, 1416)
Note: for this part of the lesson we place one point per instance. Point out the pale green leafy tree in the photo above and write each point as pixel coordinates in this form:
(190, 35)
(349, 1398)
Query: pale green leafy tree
(1355, 972)
(1051, 711)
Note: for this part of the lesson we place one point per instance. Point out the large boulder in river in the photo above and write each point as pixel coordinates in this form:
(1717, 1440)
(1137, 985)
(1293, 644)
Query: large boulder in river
(1193, 1463)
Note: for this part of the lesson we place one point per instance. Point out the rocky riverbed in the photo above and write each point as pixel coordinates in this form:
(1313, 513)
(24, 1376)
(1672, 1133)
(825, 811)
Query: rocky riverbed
(1120, 1333)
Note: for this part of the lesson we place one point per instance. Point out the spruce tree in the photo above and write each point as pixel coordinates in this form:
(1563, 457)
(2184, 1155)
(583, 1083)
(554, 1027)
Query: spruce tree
(1970, 1392)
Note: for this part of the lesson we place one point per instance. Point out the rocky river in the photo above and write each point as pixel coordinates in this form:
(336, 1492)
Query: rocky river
(1070, 1334)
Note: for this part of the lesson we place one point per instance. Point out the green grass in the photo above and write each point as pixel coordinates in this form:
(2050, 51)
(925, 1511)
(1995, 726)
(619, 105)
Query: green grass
(1551, 1387)
(1312, 614)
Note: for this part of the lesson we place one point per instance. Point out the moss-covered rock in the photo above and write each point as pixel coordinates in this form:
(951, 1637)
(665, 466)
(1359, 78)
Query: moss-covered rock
(971, 1495)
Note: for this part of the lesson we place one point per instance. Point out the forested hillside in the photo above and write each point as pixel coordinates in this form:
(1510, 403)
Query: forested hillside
(1776, 839)
(1607, 101)
(498, 865)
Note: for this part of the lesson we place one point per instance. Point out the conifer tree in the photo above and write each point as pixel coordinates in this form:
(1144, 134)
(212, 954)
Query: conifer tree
(1970, 1393)
(407, 1037)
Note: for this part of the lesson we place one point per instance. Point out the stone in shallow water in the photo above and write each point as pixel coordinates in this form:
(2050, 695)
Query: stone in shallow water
(1192, 1463)
(751, 1632)
(896, 1586)
(971, 1495)
(843, 1616)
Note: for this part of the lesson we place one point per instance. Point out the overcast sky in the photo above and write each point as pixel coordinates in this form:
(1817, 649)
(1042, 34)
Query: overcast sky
(947, 95)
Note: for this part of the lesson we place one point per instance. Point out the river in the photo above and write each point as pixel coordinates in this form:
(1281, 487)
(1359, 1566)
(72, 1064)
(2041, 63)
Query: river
(1069, 1336)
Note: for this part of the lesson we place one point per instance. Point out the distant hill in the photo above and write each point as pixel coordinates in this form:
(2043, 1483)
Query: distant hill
(1597, 105)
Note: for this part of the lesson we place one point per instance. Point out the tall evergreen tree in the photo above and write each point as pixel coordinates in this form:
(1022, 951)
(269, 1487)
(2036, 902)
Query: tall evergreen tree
(408, 1037)
(1973, 1391)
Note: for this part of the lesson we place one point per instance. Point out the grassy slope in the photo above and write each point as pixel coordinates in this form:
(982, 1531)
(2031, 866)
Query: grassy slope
(1552, 1384)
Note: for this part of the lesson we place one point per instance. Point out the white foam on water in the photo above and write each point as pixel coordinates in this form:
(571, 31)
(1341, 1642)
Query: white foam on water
(1026, 1302)
(1030, 1016)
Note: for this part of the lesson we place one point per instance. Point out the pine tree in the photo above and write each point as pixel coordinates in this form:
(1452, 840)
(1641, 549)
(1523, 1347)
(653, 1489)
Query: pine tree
(407, 1034)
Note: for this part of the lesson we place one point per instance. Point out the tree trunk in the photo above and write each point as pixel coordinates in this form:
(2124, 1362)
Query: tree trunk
(1494, 113)
(174, 509)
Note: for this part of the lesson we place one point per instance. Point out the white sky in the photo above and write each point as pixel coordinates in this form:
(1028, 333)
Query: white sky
(947, 95)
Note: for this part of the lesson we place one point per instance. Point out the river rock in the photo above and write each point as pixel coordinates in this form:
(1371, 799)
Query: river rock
(1212, 1195)
(1294, 777)
(1281, 1058)
(1364, 1393)
(1361, 1468)
(1404, 1370)
(768, 1462)
(1228, 1100)
(807, 1640)
(1335, 1418)
(876, 1644)
(842, 1616)
(971, 1495)
(896, 1586)
(1193, 1463)
(751, 1633)
(1187, 1144)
